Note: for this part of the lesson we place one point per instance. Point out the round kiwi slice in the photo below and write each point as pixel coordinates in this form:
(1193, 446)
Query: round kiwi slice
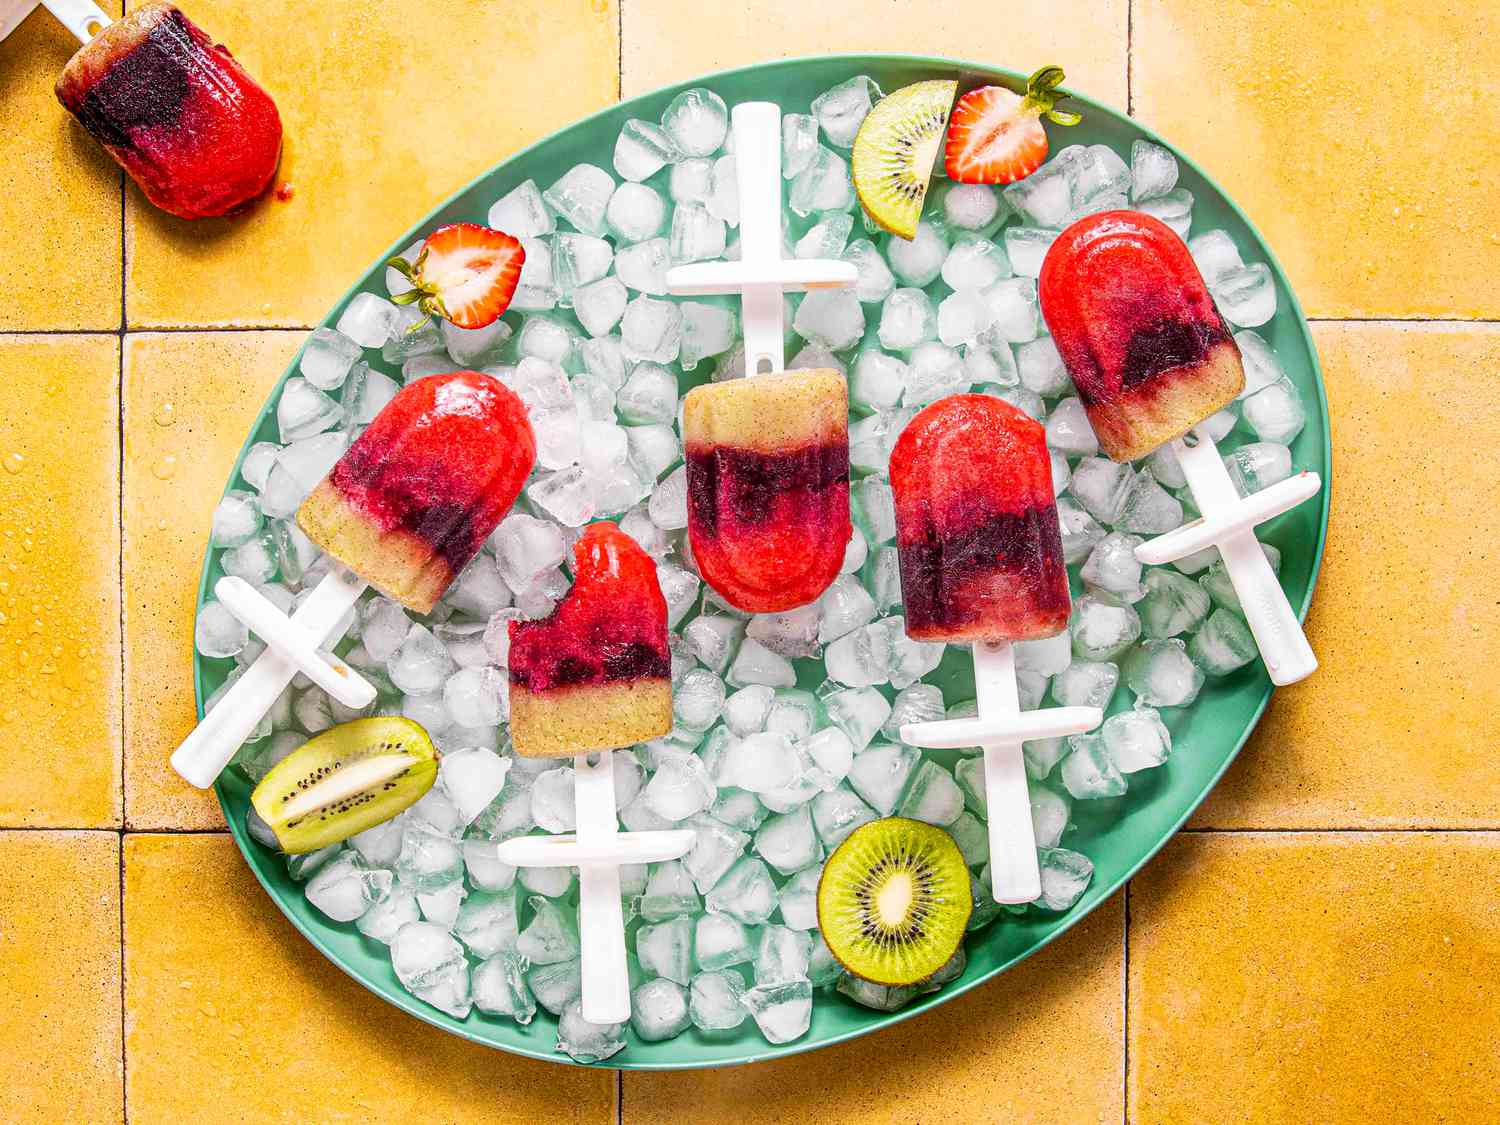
(347, 779)
(896, 149)
(894, 900)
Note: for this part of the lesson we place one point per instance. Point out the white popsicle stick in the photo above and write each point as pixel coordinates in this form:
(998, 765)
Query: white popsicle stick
(761, 275)
(204, 753)
(597, 850)
(1000, 730)
(1228, 523)
(294, 643)
(83, 18)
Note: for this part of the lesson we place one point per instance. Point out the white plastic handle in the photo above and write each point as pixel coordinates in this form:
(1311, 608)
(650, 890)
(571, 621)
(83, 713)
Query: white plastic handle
(757, 157)
(204, 753)
(83, 18)
(294, 643)
(1278, 634)
(567, 850)
(795, 274)
(601, 921)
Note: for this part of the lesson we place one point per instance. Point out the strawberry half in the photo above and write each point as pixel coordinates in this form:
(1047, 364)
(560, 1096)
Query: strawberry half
(465, 274)
(995, 136)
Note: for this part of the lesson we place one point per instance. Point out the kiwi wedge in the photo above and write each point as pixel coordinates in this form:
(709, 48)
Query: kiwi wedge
(349, 778)
(894, 900)
(895, 150)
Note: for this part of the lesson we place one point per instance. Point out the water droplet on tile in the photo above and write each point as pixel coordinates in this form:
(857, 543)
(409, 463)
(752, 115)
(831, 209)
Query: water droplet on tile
(14, 463)
(164, 467)
(165, 414)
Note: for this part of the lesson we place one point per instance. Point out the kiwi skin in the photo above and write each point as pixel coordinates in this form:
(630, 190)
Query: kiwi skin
(904, 129)
(400, 744)
(954, 902)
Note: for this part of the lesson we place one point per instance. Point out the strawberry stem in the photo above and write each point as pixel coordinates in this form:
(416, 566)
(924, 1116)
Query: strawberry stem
(1042, 94)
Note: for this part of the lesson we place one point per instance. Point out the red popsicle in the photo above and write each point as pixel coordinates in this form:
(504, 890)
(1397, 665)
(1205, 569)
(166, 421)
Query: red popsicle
(768, 486)
(977, 535)
(176, 111)
(414, 498)
(1148, 351)
(597, 673)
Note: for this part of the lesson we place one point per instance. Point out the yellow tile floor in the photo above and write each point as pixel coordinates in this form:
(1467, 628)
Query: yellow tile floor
(1322, 944)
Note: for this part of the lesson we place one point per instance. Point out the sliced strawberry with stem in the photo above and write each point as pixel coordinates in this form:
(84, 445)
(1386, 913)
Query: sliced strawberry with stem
(995, 136)
(465, 274)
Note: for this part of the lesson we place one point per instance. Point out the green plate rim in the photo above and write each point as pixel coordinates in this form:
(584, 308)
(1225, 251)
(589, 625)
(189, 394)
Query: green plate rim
(967, 69)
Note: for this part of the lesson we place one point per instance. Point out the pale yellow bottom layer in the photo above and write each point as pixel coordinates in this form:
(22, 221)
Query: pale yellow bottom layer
(1150, 416)
(574, 720)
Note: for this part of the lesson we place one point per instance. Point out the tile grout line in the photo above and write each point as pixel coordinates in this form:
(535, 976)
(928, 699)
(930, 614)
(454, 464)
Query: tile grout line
(120, 403)
(1326, 830)
(1125, 1008)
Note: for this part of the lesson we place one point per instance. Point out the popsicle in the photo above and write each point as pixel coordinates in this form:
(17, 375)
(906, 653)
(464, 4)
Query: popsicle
(1151, 358)
(980, 552)
(768, 486)
(404, 510)
(1130, 314)
(416, 495)
(597, 673)
(176, 111)
(977, 535)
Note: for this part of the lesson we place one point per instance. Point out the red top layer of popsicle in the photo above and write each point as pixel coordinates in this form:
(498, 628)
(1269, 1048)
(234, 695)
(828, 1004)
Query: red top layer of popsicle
(611, 626)
(977, 535)
(177, 111)
(444, 460)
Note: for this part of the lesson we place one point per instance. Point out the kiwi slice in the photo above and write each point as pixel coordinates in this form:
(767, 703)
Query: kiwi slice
(894, 900)
(347, 779)
(896, 149)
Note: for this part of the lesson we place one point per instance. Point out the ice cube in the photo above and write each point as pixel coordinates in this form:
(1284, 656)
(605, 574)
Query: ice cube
(757, 664)
(659, 1010)
(1044, 198)
(918, 703)
(723, 200)
(1101, 630)
(643, 267)
(823, 185)
(1262, 368)
(581, 196)
(707, 330)
(906, 319)
(1041, 370)
(475, 698)
(691, 180)
(552, 803)
(218, 633)
(932, 796)
(1161, 674)
(479, 589)
(844, 606)
(642, 149)
(680, 588)
(745, 893)
(1070, 433)
(838, 813)
(720, 941)
(831, 317)
(636, 212)
(861, 658)
(1013, 303)
(970, 206)
(1065, 876)
(536, 289)
(421, 665)
(499, 988)
(841, 110)
(475, 347)
(875, 281)
(1102, 486)
(918, 261)
(1087, 772)
(565, 495)
(714, 1001)
(974, 263)
(1028, 402)
(799, 141)
(827, 237)
(585, 1041)
(653, 448)
(1153, 170)
(1215, 254)
(430, 964)
(344, 888)
(1027, 248)
(552, 934)
(877, 381)
(989, 360)
(384, 920)
(1173, 604)
(327, 358)
(746, 711)
(1275, 412)
(783, 1011)
(1086, 683)
(1223, 645)
(697, 121)
(962, 317)
(599, 305)
(680, 787)
(697, 234)
(1258, 465)
(666, 949)
(522, 212)
(782, 954)
(1175, 209)
(1246, 295)
(1136, 740)
(651, 330)
(556, 986)
(303, 410)
(879, 775)
(788, 842)
(369, 320)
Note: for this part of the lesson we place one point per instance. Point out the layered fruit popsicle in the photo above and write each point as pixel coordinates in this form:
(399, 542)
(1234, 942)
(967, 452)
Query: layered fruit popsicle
(414, 498)
(177, 112)
(977, 536)
(597, 673)
(1148, 351)
(768, 486)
